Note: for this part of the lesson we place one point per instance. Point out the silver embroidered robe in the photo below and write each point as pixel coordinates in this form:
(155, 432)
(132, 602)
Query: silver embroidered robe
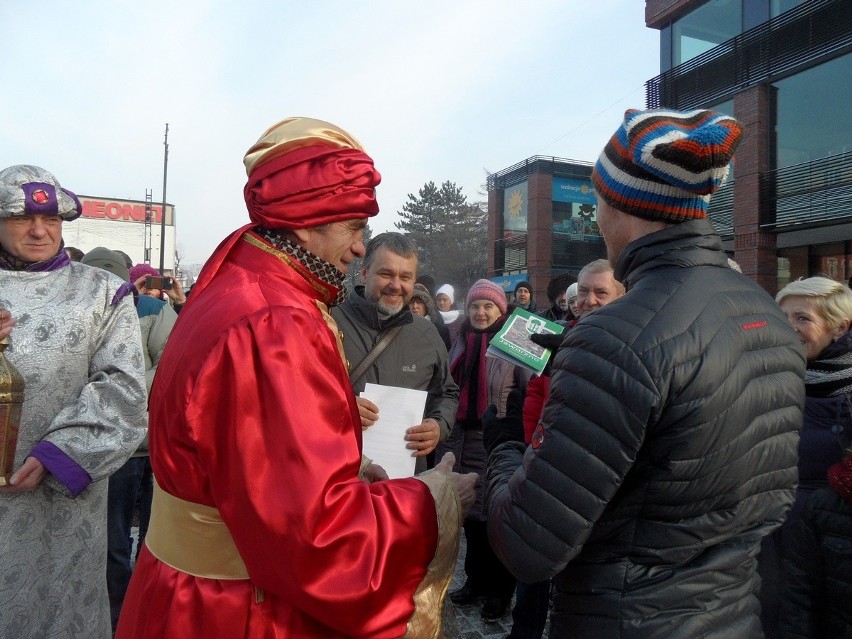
(82, 362)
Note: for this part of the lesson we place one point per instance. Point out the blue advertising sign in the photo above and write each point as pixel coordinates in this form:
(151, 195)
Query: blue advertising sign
(568, 190)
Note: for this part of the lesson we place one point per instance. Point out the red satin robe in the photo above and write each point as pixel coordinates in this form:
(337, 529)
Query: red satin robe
(252, 413)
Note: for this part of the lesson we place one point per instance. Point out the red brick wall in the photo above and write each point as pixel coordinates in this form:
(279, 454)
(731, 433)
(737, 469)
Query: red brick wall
(495, 225)
(755, 249)
(539, 234)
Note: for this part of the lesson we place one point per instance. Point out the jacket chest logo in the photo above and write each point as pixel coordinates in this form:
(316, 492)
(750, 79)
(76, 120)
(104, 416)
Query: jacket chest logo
(410, 369)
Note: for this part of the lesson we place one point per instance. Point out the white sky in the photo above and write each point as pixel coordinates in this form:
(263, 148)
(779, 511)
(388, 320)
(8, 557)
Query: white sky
(444, 90)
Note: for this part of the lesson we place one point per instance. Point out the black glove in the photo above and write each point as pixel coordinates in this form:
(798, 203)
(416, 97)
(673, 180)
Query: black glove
(548, 340)
(551, 341)
(498, 430)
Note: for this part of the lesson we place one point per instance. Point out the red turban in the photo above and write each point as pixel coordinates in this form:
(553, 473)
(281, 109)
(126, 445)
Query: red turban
(305, 172)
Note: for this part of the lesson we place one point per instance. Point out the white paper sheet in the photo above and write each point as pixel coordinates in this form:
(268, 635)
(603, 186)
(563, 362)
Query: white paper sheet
(384, 441)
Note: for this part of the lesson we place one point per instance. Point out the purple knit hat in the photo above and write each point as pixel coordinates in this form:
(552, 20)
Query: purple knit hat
(487, 290)
(142, 270)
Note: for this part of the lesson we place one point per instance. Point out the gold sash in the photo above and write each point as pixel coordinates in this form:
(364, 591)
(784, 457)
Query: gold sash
(192, 538)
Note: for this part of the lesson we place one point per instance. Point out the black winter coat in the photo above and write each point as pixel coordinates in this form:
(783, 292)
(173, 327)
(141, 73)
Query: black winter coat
(817, 603)
(668, 451)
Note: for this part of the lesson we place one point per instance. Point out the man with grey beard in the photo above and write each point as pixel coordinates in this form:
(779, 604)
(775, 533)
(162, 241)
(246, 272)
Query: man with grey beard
(414, 357)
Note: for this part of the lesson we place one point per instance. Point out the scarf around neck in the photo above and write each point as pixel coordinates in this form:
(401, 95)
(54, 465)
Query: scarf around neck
(469, 371)
(325, 271)
(831, 373)
(840, 477)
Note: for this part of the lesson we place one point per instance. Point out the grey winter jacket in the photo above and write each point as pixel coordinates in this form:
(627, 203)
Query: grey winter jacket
(415, 359)
(668, 450)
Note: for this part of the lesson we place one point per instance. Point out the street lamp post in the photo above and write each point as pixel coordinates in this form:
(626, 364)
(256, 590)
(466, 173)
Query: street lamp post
(163, 213)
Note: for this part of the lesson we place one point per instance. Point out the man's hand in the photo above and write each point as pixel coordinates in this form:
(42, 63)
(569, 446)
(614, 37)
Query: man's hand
(6, 323)
(498, 430)
(374, 473)
(423, 438)
(465, 484)
(26, 478)
(368, 411)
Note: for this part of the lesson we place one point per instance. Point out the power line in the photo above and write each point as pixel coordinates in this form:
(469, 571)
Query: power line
(596, 115)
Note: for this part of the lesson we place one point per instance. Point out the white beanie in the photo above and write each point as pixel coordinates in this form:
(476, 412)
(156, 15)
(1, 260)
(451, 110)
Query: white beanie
(571, 292)
(447, 290)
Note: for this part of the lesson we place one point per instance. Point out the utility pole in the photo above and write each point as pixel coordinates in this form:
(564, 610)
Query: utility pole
(163, 216)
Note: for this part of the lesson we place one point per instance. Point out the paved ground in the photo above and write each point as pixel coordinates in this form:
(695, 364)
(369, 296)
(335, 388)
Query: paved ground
(470, 625)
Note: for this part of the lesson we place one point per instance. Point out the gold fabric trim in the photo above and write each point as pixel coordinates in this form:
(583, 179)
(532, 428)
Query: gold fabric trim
(332, 326)
(192, 538)
(294, 133)
(426, 622)
(327, 291)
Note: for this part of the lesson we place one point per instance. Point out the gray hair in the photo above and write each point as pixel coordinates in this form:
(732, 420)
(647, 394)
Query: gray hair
(601, 266)
(397, 243)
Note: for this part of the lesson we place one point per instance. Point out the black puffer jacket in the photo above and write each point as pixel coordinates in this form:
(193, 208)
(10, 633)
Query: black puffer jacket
(668, 451)
(817, 603)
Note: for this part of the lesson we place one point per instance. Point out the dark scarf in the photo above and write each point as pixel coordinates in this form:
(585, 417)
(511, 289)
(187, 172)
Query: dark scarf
(326, 271)
(9, 262)
(840, 477)
(830, 373)
(470, 373)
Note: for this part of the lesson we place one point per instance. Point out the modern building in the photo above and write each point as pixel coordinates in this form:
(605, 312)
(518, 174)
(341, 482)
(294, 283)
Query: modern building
(541, 222)
(131, 226)
(783, 68)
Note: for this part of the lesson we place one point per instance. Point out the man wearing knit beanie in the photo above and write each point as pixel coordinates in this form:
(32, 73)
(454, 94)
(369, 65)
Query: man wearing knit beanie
(667, 448)
(524, 296)
(266, 520)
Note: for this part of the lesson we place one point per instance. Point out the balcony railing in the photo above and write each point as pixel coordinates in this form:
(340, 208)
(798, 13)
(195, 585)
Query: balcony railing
(510, 254)
(569, 251)
(721, 210)
(810, 194)
(804, 36)
(519, 172)
(806, 195)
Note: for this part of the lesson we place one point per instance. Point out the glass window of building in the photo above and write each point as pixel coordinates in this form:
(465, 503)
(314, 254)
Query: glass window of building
(814, 117)
(708, 26)
(777, 7)
(726, 107)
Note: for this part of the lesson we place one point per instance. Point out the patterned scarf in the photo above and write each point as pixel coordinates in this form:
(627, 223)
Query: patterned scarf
(469, 372)
(326, 271)
(831, 373)
(840, 477)
(9, 262)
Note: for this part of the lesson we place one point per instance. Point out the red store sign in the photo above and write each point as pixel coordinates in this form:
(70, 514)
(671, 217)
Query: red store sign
(124, 210)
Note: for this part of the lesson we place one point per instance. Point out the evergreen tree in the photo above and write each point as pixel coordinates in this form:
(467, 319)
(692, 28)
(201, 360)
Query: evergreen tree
(450, 233)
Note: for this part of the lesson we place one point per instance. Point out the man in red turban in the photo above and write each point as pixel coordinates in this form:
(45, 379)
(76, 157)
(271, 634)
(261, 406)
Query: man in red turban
(266, 520)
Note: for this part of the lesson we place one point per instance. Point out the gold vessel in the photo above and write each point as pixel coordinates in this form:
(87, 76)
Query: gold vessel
(11, 400)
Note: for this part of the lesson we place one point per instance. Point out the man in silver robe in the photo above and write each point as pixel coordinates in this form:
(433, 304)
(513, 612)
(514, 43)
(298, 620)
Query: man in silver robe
(75, 340)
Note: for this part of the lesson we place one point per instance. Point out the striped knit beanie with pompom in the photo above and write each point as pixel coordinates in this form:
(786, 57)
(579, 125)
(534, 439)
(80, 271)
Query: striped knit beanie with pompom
(664, 165)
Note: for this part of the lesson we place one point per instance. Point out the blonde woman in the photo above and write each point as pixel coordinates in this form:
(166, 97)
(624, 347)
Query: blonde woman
(820, 311)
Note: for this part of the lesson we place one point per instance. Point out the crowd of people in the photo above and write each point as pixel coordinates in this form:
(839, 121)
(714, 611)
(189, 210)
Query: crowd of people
(682, 467)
